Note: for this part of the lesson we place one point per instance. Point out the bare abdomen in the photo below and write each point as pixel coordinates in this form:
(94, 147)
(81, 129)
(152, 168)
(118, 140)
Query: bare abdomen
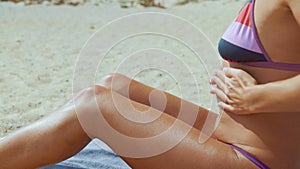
(276, 132)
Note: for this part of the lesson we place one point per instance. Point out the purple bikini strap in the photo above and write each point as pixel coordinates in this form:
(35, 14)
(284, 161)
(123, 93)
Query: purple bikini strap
(250, 157)
(256, 33)
(269, 63)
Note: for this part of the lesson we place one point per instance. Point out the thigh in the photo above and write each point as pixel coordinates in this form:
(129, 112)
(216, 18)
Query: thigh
(142, 93)
(188, 153)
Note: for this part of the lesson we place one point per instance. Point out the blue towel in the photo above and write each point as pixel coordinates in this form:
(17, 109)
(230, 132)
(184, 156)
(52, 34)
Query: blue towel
(96, 155)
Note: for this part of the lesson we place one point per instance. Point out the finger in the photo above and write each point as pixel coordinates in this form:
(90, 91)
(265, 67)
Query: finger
(245, 77)
(238, 77)
(226, 107)
(220, 84)
(231, 85)
(221, 75)
(219, 93)
(222, 81)
(231, 72)
(212, 81)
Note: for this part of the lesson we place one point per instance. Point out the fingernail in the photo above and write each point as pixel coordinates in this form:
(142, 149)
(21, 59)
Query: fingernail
(225, 69)
(212, 90)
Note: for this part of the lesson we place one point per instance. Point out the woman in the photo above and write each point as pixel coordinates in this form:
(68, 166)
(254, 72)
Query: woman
(259, 129)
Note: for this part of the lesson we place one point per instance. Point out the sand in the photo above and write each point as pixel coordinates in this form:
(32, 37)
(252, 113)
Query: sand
(40, 45)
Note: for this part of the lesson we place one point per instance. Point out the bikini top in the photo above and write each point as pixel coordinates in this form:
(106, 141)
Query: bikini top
(240, 43)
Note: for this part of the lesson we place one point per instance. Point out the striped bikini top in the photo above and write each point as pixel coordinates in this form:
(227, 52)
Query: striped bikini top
(240, 43)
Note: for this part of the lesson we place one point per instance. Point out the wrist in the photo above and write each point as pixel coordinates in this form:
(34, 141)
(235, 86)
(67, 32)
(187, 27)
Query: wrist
(254, 96)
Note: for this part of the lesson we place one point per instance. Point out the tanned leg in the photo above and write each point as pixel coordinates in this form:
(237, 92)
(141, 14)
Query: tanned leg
(60, 135)
(141, 93)
(189, 153)
(52, 139)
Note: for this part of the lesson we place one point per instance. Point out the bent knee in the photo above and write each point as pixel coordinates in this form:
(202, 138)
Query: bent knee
(96, 89)
(114, 81)
(91, 91)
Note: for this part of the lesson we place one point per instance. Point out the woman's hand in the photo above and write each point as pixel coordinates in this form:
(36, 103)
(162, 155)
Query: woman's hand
(232, 88)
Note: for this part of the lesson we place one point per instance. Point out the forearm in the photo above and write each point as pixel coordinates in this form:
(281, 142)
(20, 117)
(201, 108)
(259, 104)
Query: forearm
(280, 96)
(47, 141)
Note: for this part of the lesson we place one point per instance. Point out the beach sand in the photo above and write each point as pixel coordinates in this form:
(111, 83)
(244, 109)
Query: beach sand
(40, 45)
